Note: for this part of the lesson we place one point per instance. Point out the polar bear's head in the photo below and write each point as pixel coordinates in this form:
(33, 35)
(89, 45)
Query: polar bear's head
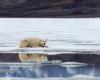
(37, 42)
(42, 43)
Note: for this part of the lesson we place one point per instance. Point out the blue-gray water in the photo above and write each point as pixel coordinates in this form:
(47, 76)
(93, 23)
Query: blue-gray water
(51, 72)
(68, 33)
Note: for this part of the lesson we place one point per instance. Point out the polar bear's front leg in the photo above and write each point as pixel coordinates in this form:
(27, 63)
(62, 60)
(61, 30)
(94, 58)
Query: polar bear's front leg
(23, 44)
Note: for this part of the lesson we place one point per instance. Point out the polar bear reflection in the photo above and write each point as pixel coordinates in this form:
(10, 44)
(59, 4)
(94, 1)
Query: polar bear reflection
(32, 43)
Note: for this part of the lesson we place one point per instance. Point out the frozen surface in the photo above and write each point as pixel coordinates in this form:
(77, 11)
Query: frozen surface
(59, 32)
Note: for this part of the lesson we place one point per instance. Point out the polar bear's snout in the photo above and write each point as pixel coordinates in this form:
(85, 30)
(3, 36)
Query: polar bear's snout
(43, 43)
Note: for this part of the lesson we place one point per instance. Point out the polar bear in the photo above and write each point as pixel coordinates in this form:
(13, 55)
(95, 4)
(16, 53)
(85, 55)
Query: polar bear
(32, 43)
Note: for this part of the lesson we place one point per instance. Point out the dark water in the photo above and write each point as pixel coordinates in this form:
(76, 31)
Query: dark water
(44, 8)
